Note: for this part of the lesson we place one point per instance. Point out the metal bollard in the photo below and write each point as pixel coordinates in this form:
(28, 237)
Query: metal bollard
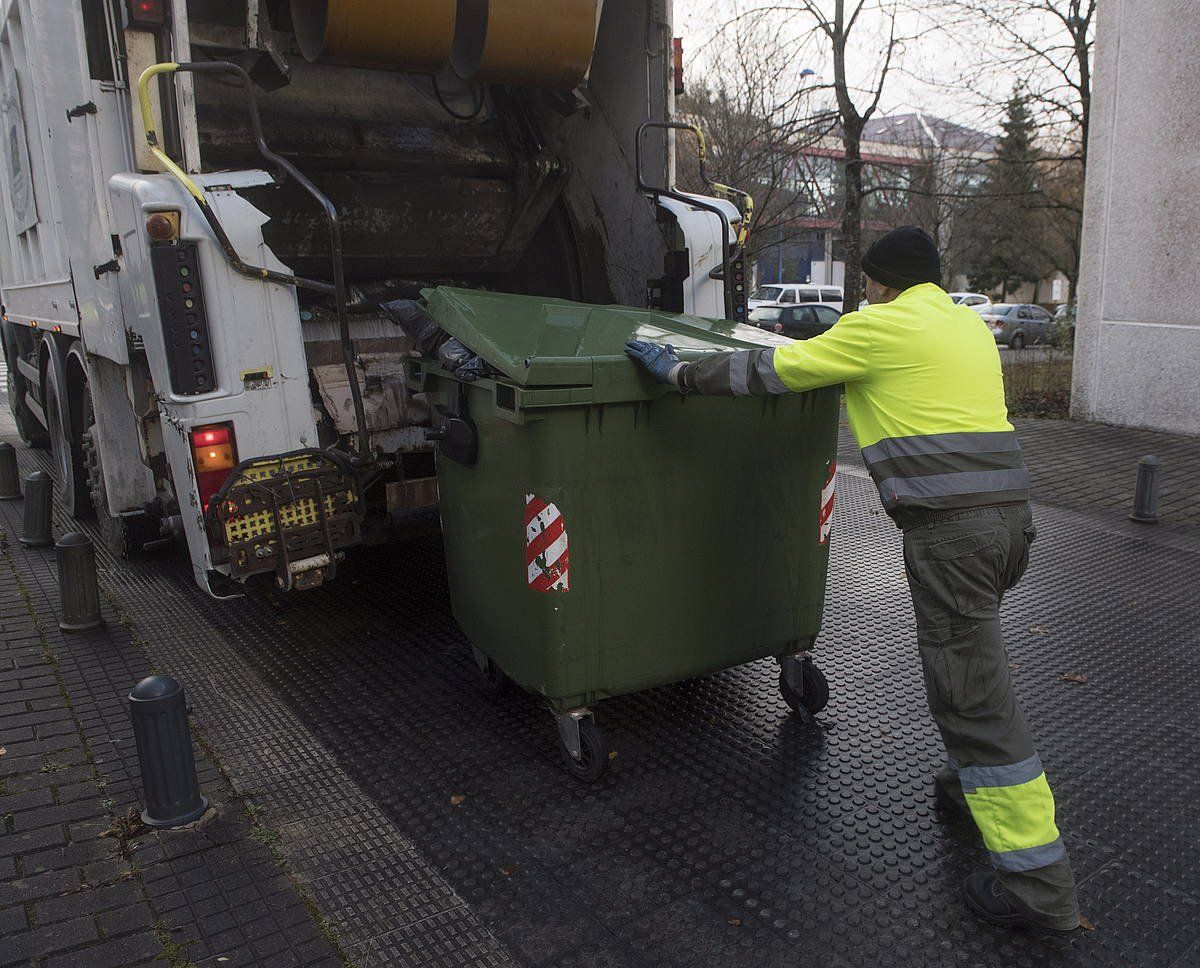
(164, 747)
(39, 502)
(77, 587)
(10, 476)
(1145, 493)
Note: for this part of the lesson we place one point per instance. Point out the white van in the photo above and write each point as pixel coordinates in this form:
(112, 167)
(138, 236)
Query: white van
(789, 293)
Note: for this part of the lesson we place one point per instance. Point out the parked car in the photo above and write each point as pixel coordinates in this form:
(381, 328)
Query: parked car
(789, 294)
(798, 322)
(1018, 324)
(972, 299)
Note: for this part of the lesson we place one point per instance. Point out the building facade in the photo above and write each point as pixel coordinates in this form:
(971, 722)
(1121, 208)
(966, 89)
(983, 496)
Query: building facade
(1137, 344)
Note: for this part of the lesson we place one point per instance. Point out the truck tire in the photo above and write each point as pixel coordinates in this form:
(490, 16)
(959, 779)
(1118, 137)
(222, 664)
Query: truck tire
(29, 428)
(66, 444)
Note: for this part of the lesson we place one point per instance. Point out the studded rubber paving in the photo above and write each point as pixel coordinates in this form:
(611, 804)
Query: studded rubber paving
(726, 832)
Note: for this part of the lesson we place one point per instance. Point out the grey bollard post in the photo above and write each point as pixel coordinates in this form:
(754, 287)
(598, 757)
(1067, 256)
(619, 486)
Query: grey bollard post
(39, 502)
(78, 590)
(164, 747)
(10, 475)
(1145, 493)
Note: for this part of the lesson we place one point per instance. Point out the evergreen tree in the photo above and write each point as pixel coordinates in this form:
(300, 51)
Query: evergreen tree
(1007, 244)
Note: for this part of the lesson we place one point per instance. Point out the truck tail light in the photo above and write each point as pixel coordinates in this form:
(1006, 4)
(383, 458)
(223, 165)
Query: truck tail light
(214, 455)
(147, 13)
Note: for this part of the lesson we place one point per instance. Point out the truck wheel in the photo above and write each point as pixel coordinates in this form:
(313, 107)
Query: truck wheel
(28, 427)
(815, 696)
(123, 535)
(593, 753)
(70, 478)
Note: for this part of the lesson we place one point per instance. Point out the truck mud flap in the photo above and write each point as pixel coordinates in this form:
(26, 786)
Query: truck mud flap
(292, 514)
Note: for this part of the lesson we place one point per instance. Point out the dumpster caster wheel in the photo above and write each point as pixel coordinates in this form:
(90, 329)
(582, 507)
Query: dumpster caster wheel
(491, 676)
(813, 694)
(495, 682)
(582, 746)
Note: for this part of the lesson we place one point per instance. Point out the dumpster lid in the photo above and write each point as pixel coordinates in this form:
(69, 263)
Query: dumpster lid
(537, 341)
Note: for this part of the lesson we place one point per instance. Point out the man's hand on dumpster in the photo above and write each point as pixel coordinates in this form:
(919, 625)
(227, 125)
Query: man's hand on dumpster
(660, 361)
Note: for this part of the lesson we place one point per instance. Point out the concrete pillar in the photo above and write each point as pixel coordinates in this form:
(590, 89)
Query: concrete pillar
(1137, 347)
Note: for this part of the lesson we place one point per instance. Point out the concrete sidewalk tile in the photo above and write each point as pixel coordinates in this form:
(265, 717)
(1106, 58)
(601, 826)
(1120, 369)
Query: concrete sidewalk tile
(126, 952)
(94, 900)
(70, 855)
(49, 940)
(12, 921)
(26, 841)
(38, 886)
(123, 920)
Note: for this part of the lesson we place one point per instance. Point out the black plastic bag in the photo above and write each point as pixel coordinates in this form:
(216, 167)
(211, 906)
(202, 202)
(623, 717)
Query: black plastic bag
(416, 324)
(431, 340)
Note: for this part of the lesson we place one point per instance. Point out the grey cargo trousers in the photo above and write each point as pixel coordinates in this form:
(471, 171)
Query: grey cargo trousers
(959, 565)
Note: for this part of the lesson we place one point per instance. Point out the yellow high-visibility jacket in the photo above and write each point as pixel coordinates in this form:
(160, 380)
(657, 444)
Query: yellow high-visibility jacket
(924, 393)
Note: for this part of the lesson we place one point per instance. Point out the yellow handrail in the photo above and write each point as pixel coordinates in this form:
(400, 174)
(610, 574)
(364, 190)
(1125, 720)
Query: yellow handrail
(152, 136)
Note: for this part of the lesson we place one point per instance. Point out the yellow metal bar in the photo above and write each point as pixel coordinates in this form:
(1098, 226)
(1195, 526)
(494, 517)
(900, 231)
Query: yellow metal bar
(152, 136)
(747, 208)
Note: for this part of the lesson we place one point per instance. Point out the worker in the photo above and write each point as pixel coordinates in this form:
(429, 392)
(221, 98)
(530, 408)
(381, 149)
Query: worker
(925, 398)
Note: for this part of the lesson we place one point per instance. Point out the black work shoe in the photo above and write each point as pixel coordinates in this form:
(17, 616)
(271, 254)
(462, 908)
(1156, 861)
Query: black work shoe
(988, 898)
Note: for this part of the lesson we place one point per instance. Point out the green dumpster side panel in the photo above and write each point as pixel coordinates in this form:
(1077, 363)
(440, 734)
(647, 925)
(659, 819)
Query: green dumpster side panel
(692, 524)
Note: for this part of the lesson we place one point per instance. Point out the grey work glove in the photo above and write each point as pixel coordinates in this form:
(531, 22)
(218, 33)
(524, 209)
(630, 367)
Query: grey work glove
(658, 360)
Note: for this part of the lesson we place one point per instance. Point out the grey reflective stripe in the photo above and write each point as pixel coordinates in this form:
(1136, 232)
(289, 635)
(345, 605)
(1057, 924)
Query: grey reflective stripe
(739, 373)
(990, 442)
(1029, 858)
(766, 372)
(1010, 774)
(896, 489)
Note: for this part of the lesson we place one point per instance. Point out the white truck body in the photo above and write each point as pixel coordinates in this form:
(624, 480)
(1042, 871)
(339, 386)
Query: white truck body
(533, 193)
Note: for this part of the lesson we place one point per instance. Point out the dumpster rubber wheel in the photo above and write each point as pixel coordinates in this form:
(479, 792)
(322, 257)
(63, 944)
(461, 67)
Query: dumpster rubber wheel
(593, 753)
(816, 689)
(495, 682)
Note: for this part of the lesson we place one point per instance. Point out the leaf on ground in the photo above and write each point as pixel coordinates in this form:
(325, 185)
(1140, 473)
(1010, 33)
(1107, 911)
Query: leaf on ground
(734, 922)
(1074, 677)
(3, 750)
(509, 870)
(612, 755)
(1039, 630)
(1086, 924)
(457, 799)
(1014, 666)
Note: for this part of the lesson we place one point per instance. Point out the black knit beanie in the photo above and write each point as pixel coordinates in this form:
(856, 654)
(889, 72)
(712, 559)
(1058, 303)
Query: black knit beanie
(903, 258)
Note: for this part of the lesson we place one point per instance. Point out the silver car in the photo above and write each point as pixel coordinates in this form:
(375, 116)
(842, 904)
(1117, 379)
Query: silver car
(1016, 325)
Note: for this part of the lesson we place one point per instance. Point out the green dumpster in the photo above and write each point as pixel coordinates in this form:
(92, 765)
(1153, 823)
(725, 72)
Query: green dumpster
(605, 534)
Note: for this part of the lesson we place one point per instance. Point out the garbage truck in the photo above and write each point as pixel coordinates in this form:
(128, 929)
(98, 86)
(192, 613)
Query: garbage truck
(205, 203)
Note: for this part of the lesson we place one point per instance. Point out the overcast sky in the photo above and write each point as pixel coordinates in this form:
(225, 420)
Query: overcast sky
(933, 70)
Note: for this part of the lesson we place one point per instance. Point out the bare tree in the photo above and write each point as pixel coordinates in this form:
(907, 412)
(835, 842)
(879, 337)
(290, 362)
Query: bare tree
(758, 118)
(1045, 47)
(832, 28)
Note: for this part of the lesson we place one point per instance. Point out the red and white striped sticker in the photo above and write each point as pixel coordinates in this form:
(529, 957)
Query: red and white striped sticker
(546, 559)
(825, 519)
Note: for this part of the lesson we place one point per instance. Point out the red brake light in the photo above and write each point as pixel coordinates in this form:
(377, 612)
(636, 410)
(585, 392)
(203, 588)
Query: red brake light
(147, 13)
(214, 455)
(210, 436)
